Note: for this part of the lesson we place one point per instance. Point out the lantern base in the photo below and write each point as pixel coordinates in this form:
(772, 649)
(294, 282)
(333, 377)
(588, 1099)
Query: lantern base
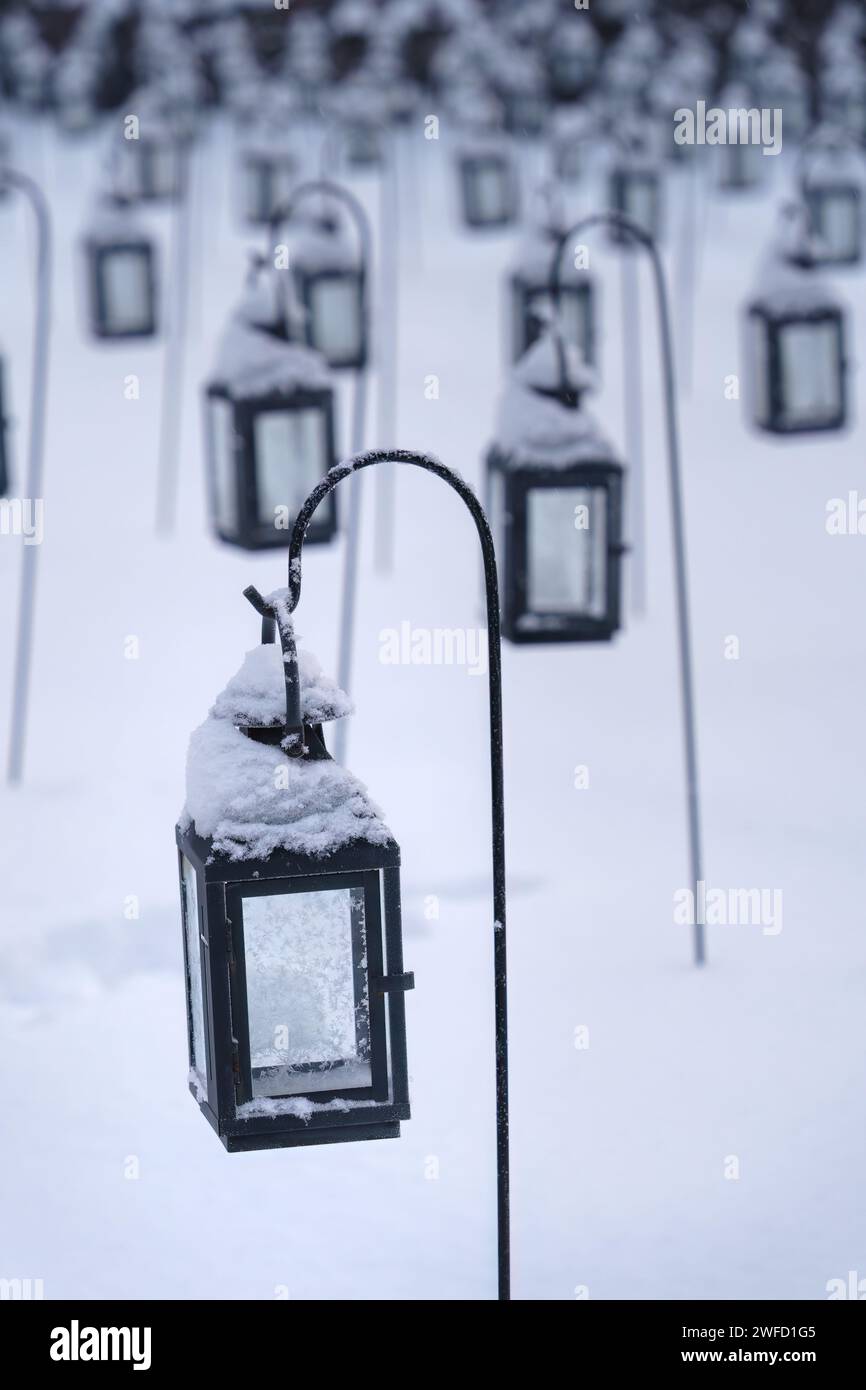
(247, 1143)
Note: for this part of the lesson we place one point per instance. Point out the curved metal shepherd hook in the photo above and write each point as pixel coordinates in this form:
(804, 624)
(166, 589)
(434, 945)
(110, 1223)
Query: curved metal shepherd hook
(279, 609)
(647, 242)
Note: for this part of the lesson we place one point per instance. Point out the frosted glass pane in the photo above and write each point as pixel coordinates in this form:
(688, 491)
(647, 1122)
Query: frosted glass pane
(640, 202)
(573, 316)
(837, 225)
(567, 551)
(811, 387)
(225, 480)
(290, 459)
(193, 955)
(488, 199)
(126, 290)
(336, 318)
(307, 991)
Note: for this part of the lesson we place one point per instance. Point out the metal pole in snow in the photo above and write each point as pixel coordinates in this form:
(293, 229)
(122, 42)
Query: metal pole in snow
(35, 457)
(350, 563)
(633, 412)
(171, 405)
(386, 403)
(693, 816)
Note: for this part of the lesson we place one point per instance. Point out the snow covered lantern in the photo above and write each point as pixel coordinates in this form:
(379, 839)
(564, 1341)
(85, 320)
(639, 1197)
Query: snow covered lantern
(290, 894)
(121, 273)
(635, 187)
(520, 80)
(154, 162)
(532, 300)
(269, 430)
(796, 343)
(269, 172)
(555, 502)
(331, 285)
(832, 190)
(489, 188)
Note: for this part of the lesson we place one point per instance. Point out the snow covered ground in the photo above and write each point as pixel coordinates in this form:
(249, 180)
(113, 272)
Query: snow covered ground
(623, 1151)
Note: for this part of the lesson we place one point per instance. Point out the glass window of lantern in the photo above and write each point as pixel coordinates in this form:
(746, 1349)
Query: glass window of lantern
(811, 383)
(335, 316)
(307, 991)
(760, 339)
(640, 198)
(491, 197)
(574, 315)
(291, 452)
(222, 425)
(126, 286)
(193, 959)
(567, 550)
(837, 222)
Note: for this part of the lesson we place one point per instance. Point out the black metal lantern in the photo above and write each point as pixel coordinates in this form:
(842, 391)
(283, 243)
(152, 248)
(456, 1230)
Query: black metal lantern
(290, 889)
(796, 341)
(330, 281)
(489, 189)
(836, 210)
(155, 165)
(555, 500)
(269, 436)
(635, 192)
(269, 174)
(741, 166)
(121, 275)
(532, 298)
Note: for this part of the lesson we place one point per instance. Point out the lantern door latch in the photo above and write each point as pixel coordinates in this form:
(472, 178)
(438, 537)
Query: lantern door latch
(384, 984)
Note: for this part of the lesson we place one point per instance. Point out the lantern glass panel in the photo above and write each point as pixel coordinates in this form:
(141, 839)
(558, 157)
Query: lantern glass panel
(567, 550)
(126, 289)
(291, 451)
(639, 198)
(809, 368)
(574, 314)
(307, 993)
(760, 369)
(193, 961)
(223, 454)
(490, 193)
(335, 317)
(837, 224)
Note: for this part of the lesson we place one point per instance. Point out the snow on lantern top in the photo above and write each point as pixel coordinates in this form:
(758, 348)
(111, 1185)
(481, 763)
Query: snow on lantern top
(248, 797)
(787, 279)
(253, 362)
(112, 221)
(536, 425)
(322, 240)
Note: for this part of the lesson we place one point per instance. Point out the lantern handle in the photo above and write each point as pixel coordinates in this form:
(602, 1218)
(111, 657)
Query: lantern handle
(327, 188)
(494, 665)
(645, 239)
(274, 613)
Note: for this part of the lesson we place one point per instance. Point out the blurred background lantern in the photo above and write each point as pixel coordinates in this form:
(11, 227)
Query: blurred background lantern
(831, 186)
(555, 499)
(571, 128)
(330, 281)
(572, 52)
(151, 162)
(635, 181)
(269, 425)
(796, 340)
(269, 171)
(487, 173)
(742, 164)
(532, 292)
(290, 893)
(121, 272)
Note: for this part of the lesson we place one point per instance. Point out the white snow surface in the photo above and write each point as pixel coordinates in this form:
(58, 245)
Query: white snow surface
(256, 694)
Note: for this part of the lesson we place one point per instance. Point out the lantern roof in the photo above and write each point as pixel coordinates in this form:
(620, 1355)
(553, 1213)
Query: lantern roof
(535, 426)
(534, 257)
(252, 362)
(788, 282)
(234, 795)
(112, 219)
(320, 238)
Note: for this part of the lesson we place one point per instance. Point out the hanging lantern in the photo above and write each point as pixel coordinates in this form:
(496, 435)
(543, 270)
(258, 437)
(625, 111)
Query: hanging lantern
(555, 502)
(532, 300)
(572, 127)
(520, 80)
(268, 173)
(154, 163)
(635, 186)
(797, 354)
(741, 165)
(270, 434)
(832, 190)
(290, 893)
(572, 58)
(4, 423)
(331, 286)
(360, 110)
(489, 190)
(121, 274)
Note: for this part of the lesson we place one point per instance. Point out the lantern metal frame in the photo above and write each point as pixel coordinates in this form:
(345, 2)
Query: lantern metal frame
(621, 175)
(98, 255)
(267, 170)
(221, 886)
(527, 318)
(281, 617)
(251, 533)
(643, 239)
(775, 324)
(468, 165)
(516, 483)
(146, 187)
(815, 197)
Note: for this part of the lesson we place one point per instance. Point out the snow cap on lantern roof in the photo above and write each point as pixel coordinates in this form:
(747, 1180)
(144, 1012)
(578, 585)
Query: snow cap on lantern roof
(256, 694)
(251, 362)
(321, 239)
(533, 260)
(787, 283)
(233, 796)
(534, 428)
(475, 107)
(832, 155)
(112, 220)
